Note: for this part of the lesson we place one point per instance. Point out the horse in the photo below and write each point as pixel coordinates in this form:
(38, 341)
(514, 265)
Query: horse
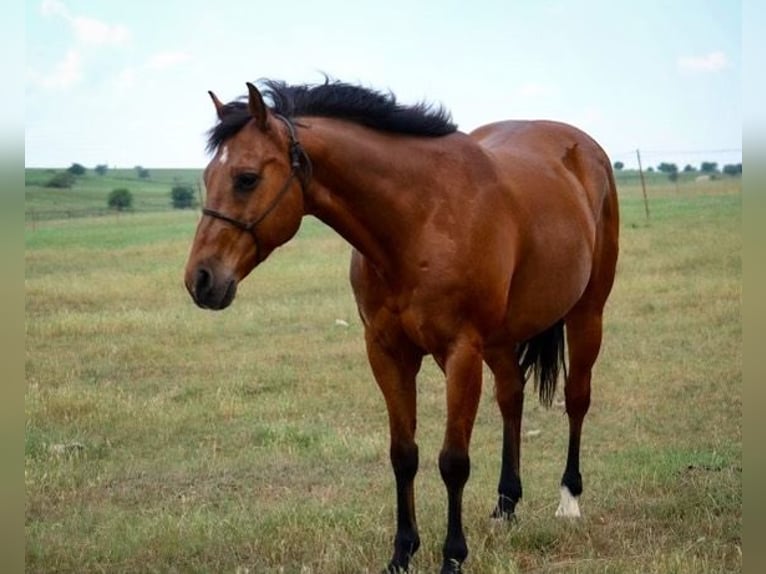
(497, 246)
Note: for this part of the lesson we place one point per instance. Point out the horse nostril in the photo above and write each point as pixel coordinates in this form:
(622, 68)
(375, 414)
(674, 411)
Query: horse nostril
(203, 282)
(211, 289)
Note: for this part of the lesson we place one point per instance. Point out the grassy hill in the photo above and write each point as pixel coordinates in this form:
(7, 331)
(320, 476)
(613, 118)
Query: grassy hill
(88, 196)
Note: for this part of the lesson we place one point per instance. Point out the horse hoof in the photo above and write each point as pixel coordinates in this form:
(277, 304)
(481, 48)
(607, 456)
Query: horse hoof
(451, 567)
(503, 517)
(568, 507)
(506, 520)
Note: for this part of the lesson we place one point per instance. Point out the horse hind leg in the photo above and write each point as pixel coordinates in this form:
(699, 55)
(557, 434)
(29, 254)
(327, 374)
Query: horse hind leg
(583, 330)
(509, 393)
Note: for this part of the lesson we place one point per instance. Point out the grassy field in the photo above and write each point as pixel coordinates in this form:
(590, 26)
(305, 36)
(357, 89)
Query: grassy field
(162, 438)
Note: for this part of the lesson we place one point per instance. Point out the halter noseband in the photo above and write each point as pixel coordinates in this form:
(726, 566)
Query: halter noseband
(300, 164)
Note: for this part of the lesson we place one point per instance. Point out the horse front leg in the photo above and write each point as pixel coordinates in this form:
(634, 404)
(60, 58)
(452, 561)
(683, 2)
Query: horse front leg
(463, 370)
(395, 368)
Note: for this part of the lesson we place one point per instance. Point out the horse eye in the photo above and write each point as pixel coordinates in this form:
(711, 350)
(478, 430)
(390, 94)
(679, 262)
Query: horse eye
(246, 181)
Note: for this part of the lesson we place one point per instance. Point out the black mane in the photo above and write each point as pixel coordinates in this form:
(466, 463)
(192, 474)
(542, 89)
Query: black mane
(334, 99)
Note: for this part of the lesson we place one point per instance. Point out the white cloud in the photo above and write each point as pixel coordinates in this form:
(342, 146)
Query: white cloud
(89, 31)
(712, 62)
(66, 74)
(95, 32)
(131, 76)
(164, 60)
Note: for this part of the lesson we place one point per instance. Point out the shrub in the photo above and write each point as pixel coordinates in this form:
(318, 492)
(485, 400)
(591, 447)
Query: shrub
(120, 199)
(62, 180)
(142, 172)
(182, 196)
(101, 169)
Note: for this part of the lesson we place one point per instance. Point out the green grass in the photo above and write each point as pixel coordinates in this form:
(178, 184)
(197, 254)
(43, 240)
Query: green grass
(162, 438)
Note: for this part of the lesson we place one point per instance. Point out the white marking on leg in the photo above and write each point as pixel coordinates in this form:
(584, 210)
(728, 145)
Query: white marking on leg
(224, 155)
(568, 506)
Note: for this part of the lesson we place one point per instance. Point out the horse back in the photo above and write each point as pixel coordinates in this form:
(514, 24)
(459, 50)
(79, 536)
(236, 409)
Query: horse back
(541, 159)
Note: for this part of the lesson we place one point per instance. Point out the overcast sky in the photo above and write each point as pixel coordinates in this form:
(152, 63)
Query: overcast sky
(125, 83)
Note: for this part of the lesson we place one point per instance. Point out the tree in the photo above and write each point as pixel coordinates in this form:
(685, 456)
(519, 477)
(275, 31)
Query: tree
(708, 167)
(618, 165)
(688, 168)
(77, 169)
(101, 169)
(668, 168)
(182, 196)
(120, 199)
(733, 169)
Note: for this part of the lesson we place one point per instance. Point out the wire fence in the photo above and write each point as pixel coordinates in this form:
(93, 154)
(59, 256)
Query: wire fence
(34, 216)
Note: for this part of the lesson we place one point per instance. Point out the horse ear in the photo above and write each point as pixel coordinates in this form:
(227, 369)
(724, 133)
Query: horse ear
(219, 108)
(257, 108)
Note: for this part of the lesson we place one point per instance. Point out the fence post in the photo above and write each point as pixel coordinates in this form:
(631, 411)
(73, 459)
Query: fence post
(643, 184)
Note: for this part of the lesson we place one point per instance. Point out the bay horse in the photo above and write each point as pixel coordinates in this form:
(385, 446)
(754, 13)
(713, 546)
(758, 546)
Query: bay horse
(489, 247)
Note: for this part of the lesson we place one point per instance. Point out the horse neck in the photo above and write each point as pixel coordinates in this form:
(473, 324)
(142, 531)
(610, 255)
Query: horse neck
(367, 185)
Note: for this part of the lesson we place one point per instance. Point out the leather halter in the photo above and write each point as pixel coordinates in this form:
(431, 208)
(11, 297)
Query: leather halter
(300, 165)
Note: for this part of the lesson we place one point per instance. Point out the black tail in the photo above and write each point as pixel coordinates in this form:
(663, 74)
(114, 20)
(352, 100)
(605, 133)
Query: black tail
(543, 355)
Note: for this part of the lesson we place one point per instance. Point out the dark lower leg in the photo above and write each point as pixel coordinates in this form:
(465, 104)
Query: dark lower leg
(463, 370)
(577, 402)
(571, 481)
(577, 394)
(509, 488)
(572, 478)
(511, 401)
(404, 460)
(455, 466)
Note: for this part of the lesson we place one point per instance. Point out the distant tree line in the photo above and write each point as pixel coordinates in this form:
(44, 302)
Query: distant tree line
(67, 178)
(182, 195)
(705, 168)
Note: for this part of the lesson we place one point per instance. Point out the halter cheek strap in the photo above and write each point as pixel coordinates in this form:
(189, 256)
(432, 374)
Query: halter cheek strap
(299, 165)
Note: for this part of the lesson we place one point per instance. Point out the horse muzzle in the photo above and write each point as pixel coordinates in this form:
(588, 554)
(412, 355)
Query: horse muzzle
(210, 289)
